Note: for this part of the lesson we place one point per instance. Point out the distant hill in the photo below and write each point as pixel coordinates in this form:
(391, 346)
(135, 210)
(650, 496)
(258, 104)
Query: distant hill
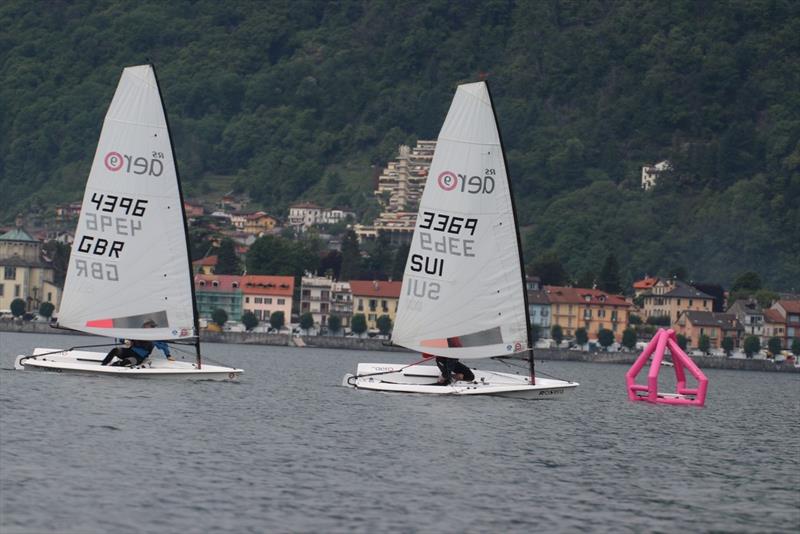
(285, 99)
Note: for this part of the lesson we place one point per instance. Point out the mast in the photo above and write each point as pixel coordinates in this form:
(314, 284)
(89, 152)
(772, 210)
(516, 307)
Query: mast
(186, 225)
(519, 239)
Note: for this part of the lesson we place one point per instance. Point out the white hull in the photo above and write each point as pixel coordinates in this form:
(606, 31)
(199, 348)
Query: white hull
(79, 361)
(400, 378)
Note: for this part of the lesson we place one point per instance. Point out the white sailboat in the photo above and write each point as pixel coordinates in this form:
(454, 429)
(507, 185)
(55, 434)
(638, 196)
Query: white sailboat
(130, 259)
(464, 293)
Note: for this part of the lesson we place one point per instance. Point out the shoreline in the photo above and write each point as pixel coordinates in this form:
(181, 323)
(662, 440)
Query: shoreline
(352, 343)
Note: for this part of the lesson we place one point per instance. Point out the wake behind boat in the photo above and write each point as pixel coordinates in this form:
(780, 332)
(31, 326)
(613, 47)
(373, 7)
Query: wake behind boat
(129, 274)
(464, 294)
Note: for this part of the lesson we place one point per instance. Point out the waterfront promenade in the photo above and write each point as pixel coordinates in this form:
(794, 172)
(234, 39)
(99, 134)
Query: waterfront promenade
(353, 343)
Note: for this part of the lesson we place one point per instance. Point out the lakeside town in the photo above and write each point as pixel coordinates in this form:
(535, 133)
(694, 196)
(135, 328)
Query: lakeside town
(329, 297)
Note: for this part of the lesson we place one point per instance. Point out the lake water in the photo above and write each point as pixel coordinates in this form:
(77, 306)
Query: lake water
(288, 449)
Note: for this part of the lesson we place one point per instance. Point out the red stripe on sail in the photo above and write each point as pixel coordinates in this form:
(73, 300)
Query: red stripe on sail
(101, 323)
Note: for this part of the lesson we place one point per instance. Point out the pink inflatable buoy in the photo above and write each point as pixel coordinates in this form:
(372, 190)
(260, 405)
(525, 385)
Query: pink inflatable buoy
(663, 340)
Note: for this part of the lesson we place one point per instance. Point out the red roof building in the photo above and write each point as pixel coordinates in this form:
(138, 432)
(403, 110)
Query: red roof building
(375, 298)
(592, 309)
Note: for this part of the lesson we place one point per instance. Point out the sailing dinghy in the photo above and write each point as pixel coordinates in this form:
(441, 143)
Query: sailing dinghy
(464, 294)
(130, 259)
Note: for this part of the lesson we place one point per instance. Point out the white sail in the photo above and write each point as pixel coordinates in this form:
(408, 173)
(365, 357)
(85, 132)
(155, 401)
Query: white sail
(129, 261)
(462, 294)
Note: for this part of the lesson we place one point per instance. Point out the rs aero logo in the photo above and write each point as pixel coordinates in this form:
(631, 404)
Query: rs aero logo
(116, 162)
(473, 185)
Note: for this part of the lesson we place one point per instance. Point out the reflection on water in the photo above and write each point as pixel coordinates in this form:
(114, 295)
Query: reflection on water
(288, 449)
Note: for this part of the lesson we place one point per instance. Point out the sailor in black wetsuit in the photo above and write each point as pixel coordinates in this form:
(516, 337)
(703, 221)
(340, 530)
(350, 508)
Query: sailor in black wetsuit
(452, 371)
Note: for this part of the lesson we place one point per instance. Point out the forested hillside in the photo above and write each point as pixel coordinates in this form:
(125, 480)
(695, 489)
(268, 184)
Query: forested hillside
(285, 99)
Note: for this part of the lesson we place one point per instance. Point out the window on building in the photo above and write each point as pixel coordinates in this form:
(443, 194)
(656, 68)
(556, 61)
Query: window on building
(587, 314)
(259, 300)
(281, 302)
(373, 304)
(49, 296)
(690, 303)
(267, 300)
(385, 306)
(360, 304)
(371, 317)
(11, 273)
(17, 290)
(1, 290)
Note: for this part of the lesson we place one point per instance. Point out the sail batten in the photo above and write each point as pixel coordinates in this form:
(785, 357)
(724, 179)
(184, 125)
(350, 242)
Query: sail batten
(461, 293)
(129, 274)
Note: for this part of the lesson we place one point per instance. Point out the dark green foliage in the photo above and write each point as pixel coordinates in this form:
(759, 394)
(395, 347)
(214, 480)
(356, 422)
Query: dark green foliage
(751, 345)
(275, 255)
(658, 320)
(704, 343)
(683, 342)
(334, 323)
(17, 307)
(605, 337)
(277, 320)
(727, 345)
(634, 319)
(219, 316)
(548, 267)
(796, 346)
(399, 262)
(384, 324)
(351, 256)
(586, 280)
(58, 254)
(306, 321)
(629, 338)
(249, 320)
(227, 262)
(278, 97)
(536, 332)
(581, 337)
(609, 276)
(358, 324)
(749, 281)
(557, 333)
(774, 345)
(46, 309)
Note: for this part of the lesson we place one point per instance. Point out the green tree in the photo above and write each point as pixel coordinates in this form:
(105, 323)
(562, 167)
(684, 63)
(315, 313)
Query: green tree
(605, 337)
(751, 346)
(548, 267)
(581, 337)
(704, 343)
(727, 345)
(587, 280)
(749, 281)
(18, 307)
(774, 345)
(249, 320)
(557, 333)
(634, 319)
(609, 276)
(536, 332)
(58, 254)
(306, 321)
(46, 309)
(629, 338)
(219, 316)
(227, 262)
(796, 346)
(334, 323)
(276, 320)
(659, 320)
(399, 263)
(358, 324)
(683, 342)
(351, 256)
(384, 324)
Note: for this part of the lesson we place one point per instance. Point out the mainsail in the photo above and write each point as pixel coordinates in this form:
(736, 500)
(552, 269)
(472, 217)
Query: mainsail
(129, 262)
(463, 292)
